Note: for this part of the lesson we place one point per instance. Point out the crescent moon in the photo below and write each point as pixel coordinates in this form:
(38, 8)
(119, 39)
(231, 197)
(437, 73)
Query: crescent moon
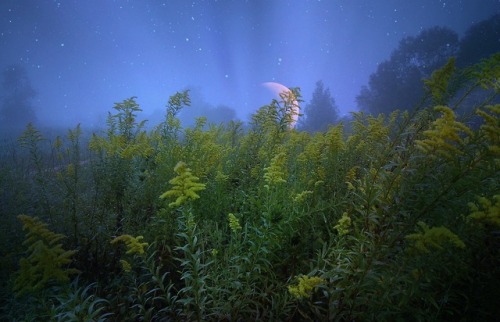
(278, 89)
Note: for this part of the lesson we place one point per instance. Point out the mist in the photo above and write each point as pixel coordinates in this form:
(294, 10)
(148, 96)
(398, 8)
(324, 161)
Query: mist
(75, 59)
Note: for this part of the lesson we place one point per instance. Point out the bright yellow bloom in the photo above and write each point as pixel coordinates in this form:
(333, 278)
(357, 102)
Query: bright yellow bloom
(125, 265)
(234, 223)
(434, 237)
(302, 196)
(305, 286)
(488, 212)
(274, 173)
(491, 127)
(343, 224)
(133, 244)
(444, 138)
(185, 186)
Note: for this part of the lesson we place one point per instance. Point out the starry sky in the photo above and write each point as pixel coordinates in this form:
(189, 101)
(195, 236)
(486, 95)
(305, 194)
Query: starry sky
(82, 56)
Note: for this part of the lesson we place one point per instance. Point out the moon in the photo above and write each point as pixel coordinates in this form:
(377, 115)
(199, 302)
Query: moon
(278, 89)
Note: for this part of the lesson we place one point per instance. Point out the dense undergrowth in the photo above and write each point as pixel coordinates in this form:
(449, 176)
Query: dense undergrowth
(396, 218)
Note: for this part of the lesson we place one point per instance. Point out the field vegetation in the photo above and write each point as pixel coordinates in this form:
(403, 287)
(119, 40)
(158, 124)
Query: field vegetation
(386, 217)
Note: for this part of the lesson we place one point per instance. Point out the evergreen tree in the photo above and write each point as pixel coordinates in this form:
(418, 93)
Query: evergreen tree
(320, 112)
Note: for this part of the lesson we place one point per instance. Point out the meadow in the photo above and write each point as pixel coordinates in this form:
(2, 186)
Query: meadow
(387, 217)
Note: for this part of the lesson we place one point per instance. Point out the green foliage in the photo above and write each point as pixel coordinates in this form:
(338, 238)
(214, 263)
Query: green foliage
(46, 261)
(389, 217)
(437, 84)
(79, 304)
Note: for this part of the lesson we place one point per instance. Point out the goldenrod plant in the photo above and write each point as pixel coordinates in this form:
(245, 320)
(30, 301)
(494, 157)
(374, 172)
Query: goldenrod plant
(185, 186)
(429, 238)
(378, 218)
(487, 212)
(31, 140)
(46, 262)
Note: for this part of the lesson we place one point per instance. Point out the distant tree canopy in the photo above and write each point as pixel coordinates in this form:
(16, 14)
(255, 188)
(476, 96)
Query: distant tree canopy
(480, 41)
(16, 109)
(397, 83)
(200, 107)
(320, 112)
(221, 114)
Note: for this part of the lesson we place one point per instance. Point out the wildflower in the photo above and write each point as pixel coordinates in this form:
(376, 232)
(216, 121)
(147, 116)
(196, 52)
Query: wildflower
(221, 177)
(335, 138)
(434, 237)
(302, 196)
(491, 127)
(274, 174)
(343, 224)
(350, 186)
(133, 244)
(352, 173)
(184, 187)
(489, 212)
(444, 136)
(45, 262)
(318, 183)
(305, 286)
(125, 265)
(234, 223)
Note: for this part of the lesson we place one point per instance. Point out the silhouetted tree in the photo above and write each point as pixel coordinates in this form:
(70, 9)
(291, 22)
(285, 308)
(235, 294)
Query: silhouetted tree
(220, 114)
(397, 84)
(16, 109)
(480, 41)
(320, 112)
(200, 107)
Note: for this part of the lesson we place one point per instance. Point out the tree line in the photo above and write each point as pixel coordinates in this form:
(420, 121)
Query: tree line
(396, 84)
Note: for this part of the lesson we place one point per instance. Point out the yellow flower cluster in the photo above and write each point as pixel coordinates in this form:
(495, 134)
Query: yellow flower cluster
(305, 286)
(121, 146)
(351, 177)
(334, 138)
(491, 127)
(300, 197)
(274, 174)
(311, 158)
(490, 212)
(234, 223)
(45, 261)
(185, 186)
(343, 224)
(133, 244)
(444, 136)
(125, 265)
(434, 237)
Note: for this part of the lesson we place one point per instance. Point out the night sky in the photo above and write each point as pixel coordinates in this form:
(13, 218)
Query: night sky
(82, 56)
